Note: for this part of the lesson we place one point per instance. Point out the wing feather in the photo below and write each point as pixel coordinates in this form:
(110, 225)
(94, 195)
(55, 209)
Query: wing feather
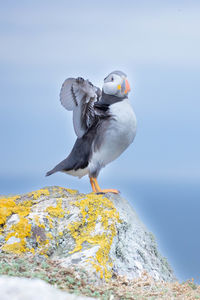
(79, 95)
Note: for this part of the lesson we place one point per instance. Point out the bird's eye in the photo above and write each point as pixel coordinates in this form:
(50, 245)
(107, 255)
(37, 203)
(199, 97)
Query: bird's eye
(112, 78)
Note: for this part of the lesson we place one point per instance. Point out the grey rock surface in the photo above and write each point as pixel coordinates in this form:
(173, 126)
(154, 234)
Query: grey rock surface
(134, 248)
(14, 288)
(99, 233)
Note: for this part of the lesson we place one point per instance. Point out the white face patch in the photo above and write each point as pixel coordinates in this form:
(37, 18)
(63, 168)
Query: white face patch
(111, 84)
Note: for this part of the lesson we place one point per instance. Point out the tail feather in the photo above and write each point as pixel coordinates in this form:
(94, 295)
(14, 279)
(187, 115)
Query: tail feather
(63, 165)
(78, 158)
(57, 168)
(50, 172)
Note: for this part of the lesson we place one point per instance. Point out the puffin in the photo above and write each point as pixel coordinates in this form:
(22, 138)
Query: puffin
(104, 123)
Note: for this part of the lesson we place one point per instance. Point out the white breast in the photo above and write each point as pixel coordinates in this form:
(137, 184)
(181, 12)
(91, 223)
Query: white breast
(124, 123)
(118, 136)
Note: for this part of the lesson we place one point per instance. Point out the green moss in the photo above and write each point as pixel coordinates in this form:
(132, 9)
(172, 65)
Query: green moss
(119, 288)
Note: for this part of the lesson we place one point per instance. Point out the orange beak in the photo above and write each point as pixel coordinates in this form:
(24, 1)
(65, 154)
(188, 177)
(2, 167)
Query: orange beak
(127, 87)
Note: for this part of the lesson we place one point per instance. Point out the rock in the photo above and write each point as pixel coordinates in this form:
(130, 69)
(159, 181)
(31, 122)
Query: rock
(14, 288)
(100, 233)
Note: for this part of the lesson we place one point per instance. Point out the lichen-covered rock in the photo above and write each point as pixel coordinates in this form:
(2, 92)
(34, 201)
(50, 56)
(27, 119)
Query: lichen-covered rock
(100, 233)
(14, 288)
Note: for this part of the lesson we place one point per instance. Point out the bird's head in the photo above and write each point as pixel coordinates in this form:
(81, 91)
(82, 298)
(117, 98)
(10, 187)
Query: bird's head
(116, 84)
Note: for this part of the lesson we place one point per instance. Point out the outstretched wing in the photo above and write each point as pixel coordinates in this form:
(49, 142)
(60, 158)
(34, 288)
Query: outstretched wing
(79, 95)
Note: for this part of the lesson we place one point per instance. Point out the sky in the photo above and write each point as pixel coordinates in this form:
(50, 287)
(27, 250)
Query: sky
(158, 46)
(156, 43)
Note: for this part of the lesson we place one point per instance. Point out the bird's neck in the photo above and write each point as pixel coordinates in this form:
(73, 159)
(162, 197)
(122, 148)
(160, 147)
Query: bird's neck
(110, 99)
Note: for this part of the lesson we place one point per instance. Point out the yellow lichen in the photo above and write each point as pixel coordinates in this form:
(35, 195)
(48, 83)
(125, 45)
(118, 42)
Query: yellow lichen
(21, 230)
(49, 235)
(38, 223)
(32, 250)
(43, 247)
(17, 248)
(23, 209)
(50, 221)
(93, 209)
(37, 194)
(56, 211)
(7, 206)
(61, 190)
(96, 208)
(72, 192)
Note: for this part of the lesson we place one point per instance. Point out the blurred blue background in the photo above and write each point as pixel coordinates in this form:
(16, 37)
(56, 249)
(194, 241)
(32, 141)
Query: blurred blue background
(157, 43)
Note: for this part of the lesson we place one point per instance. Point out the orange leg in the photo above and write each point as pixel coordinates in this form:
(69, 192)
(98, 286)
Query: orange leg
(93, 185)
(96, 188)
